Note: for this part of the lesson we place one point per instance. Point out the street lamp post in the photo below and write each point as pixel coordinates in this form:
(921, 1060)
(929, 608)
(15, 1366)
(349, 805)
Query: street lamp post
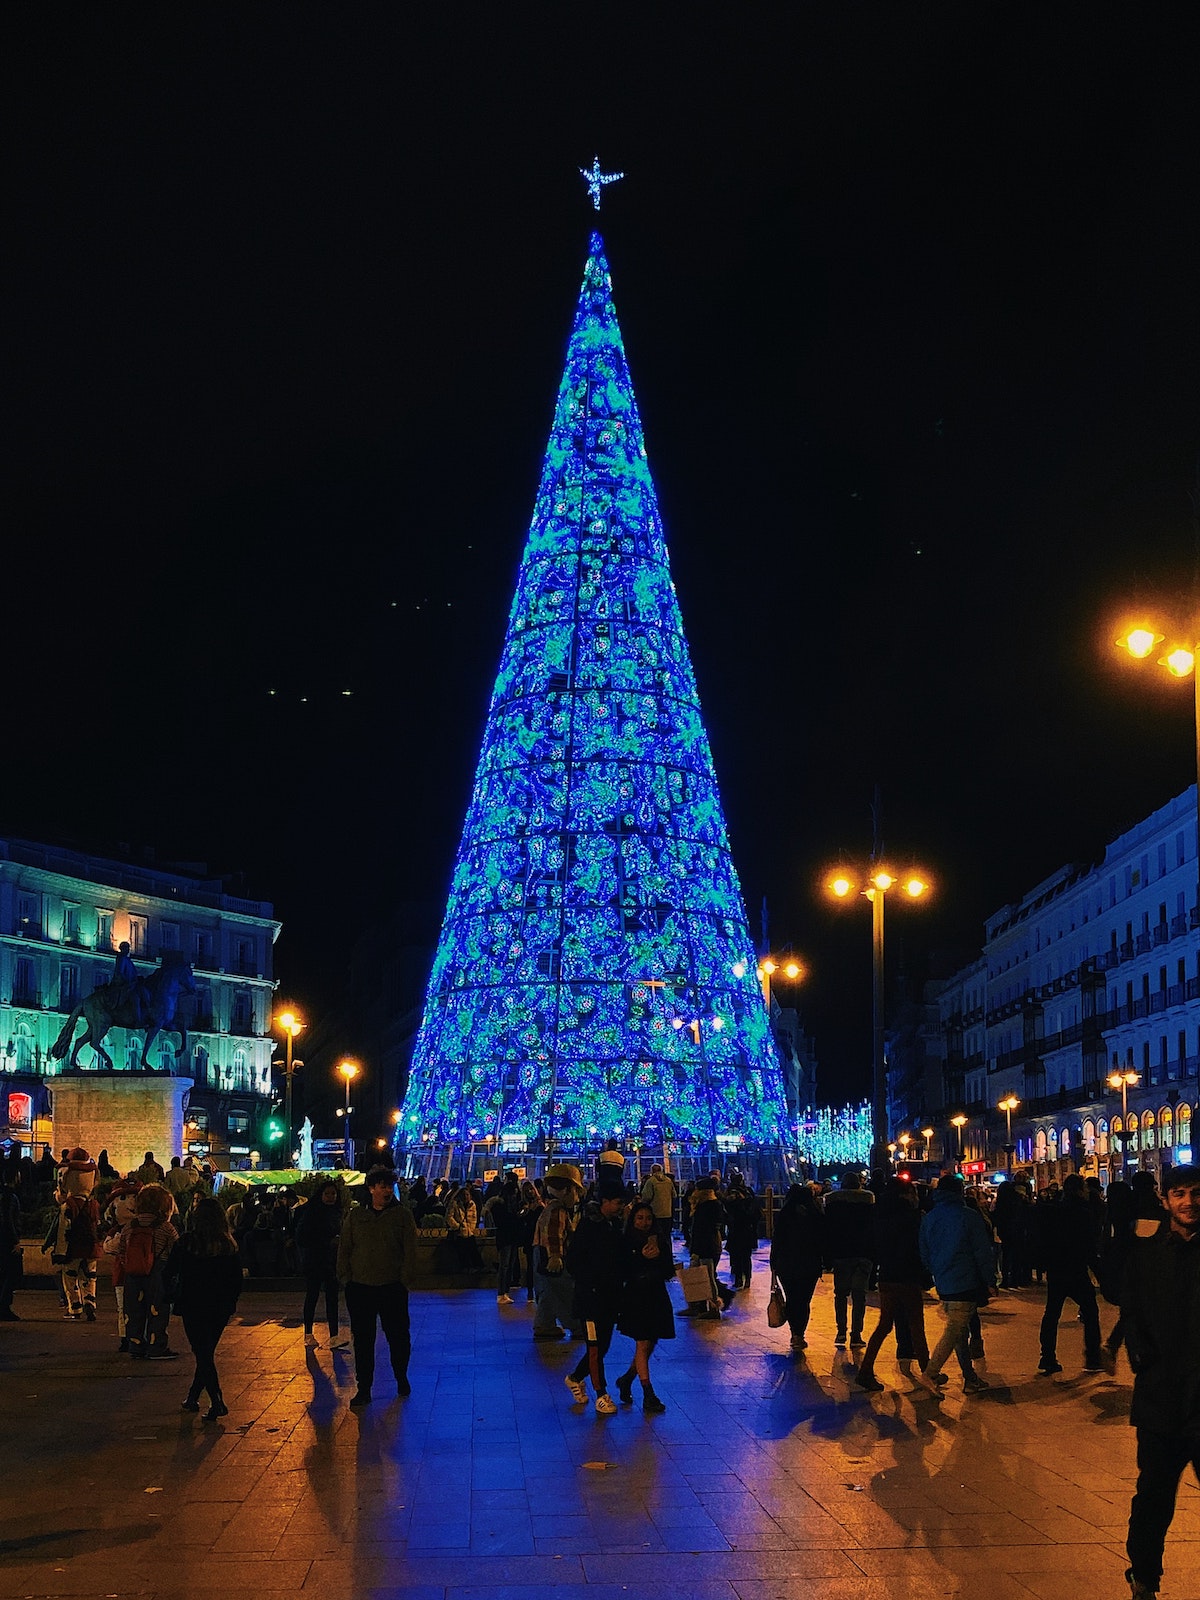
(927, 1136)
(290, 1026)
(1124, 1080)
(1008, 1105)
(960, 1123)
(349, 1071)
(876, 882)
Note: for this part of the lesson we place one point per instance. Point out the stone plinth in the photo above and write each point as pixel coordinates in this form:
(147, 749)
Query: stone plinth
(125, 1113)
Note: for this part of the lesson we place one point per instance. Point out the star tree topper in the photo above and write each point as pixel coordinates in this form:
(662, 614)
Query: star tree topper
(596, 179)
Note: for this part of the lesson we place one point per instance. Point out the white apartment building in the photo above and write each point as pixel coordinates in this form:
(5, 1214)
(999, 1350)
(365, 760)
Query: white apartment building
(1094, 971)
(62, 916)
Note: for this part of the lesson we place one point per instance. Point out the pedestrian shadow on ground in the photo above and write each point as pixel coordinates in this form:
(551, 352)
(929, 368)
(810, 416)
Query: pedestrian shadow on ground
(324, 1402)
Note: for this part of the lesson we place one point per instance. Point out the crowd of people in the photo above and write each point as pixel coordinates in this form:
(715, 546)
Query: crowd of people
(595, 1259)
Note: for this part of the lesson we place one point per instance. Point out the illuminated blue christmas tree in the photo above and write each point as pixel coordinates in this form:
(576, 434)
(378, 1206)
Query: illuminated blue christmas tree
(595, 975)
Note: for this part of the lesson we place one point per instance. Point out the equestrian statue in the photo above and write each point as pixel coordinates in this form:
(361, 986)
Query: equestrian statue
(128, 1000)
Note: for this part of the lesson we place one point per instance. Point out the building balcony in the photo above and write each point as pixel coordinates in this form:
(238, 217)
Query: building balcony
(27, 999)
(1125, 950)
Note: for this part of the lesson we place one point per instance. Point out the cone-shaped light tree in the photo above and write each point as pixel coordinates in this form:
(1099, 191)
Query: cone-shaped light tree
(595, 975)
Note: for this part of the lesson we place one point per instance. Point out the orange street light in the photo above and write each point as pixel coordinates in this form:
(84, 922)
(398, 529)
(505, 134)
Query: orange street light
(349, 1071)
(1008, 1105)
(291, 1026)
(873, 883)
(960, 1123)
(785, 966)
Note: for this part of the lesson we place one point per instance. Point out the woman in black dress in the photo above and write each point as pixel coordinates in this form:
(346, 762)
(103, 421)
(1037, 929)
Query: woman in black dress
(646, 1314)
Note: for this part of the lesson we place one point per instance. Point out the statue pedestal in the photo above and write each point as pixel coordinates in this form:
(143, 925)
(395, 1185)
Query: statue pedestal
(125, 1113)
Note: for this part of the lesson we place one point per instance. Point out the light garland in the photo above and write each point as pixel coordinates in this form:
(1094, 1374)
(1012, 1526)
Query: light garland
(595, 972)
(829, 1137)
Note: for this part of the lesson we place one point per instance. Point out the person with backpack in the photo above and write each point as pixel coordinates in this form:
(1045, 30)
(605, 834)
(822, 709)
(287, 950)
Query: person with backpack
(204, 1279)
(146, 1244)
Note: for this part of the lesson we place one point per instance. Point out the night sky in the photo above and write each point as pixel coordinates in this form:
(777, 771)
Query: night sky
(909, 295)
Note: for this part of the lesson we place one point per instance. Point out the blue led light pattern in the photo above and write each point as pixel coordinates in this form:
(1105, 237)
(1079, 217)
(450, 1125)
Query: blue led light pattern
(584, 983)
(832, 1137)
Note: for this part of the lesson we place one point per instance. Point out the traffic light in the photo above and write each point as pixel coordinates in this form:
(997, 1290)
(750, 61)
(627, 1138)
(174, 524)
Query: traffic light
(274, 1130)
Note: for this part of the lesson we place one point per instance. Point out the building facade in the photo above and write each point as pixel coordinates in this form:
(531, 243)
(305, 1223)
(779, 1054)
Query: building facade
(1094, 973)
(63, 915)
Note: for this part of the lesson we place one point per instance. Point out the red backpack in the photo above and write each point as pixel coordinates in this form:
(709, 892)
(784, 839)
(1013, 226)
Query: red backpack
(139, 1251)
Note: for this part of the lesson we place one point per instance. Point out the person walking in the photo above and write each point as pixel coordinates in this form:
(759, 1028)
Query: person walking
(658, 1190)
(503, 1211)
(956, 1249)
(206, 1279)
(531, 1208)
(849, 1251)
(1160, 1313)
(596, 1259)
(1068, 1248)
(704, 1243)
(1116, 1242)
(10, 1242)
(552, 1237)
(797, 1258)
(147, 1240)
(646, 1314)
(902, 1280)
(743, 1227)
(377, 1249)
(318, 1228)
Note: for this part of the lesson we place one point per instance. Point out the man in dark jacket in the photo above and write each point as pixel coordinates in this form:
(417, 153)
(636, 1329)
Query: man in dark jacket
(956, 1249)
(318, 1227)
(1068, 1249)
(1160, 1314)
(849, 1250)
(596, 1259)
(377, 1249)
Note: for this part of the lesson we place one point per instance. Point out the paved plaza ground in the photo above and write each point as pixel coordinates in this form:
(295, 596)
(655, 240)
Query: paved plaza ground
(767, 1479)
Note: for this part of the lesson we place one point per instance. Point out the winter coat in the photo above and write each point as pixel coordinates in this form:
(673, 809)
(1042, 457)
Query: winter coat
(708, 1219)
(1160, 1317)
(318, 1228)
(796, 1242)
(849, 1225)
(956, 1248)
(208, 1286)
(646, 1310)
(597, 1260)
(462, 1215)
(898, 1243)
(377, 1247)
(659, 1192)
(743, 1219)
(1067, 1239)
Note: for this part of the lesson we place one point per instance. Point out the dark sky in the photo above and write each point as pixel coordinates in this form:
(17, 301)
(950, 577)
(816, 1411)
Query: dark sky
(909, 295)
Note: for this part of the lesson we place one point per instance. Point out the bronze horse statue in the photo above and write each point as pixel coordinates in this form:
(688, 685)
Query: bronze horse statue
(148, 1004)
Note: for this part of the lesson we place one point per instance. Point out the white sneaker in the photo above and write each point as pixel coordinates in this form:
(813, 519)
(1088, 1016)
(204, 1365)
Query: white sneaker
(606, 1406)
(578, 1391)
(311, 1342)
(504, 1300)
(340, 1341)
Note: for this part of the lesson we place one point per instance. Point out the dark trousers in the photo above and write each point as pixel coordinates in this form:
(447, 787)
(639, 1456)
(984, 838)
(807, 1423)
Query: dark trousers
(598, 1332)
(797, 1295)
(1061, 1286)
(508, 1267)
(1161, 1458)
(10, 1276)
(387, 1304)
(316, 1280)
(851, 1274)
(204, 1332)
(740, 1264)
(900, 1307)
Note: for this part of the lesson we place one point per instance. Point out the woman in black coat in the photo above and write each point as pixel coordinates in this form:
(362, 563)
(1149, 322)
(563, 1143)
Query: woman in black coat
(646, 1313)
(206, 1277)
(796, 1257)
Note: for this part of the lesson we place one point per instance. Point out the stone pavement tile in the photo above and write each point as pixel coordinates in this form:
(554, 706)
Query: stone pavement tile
(602, 1591)
(351, 1576)
(1019, 1560)
(685, 1570)
(1002, 1587)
